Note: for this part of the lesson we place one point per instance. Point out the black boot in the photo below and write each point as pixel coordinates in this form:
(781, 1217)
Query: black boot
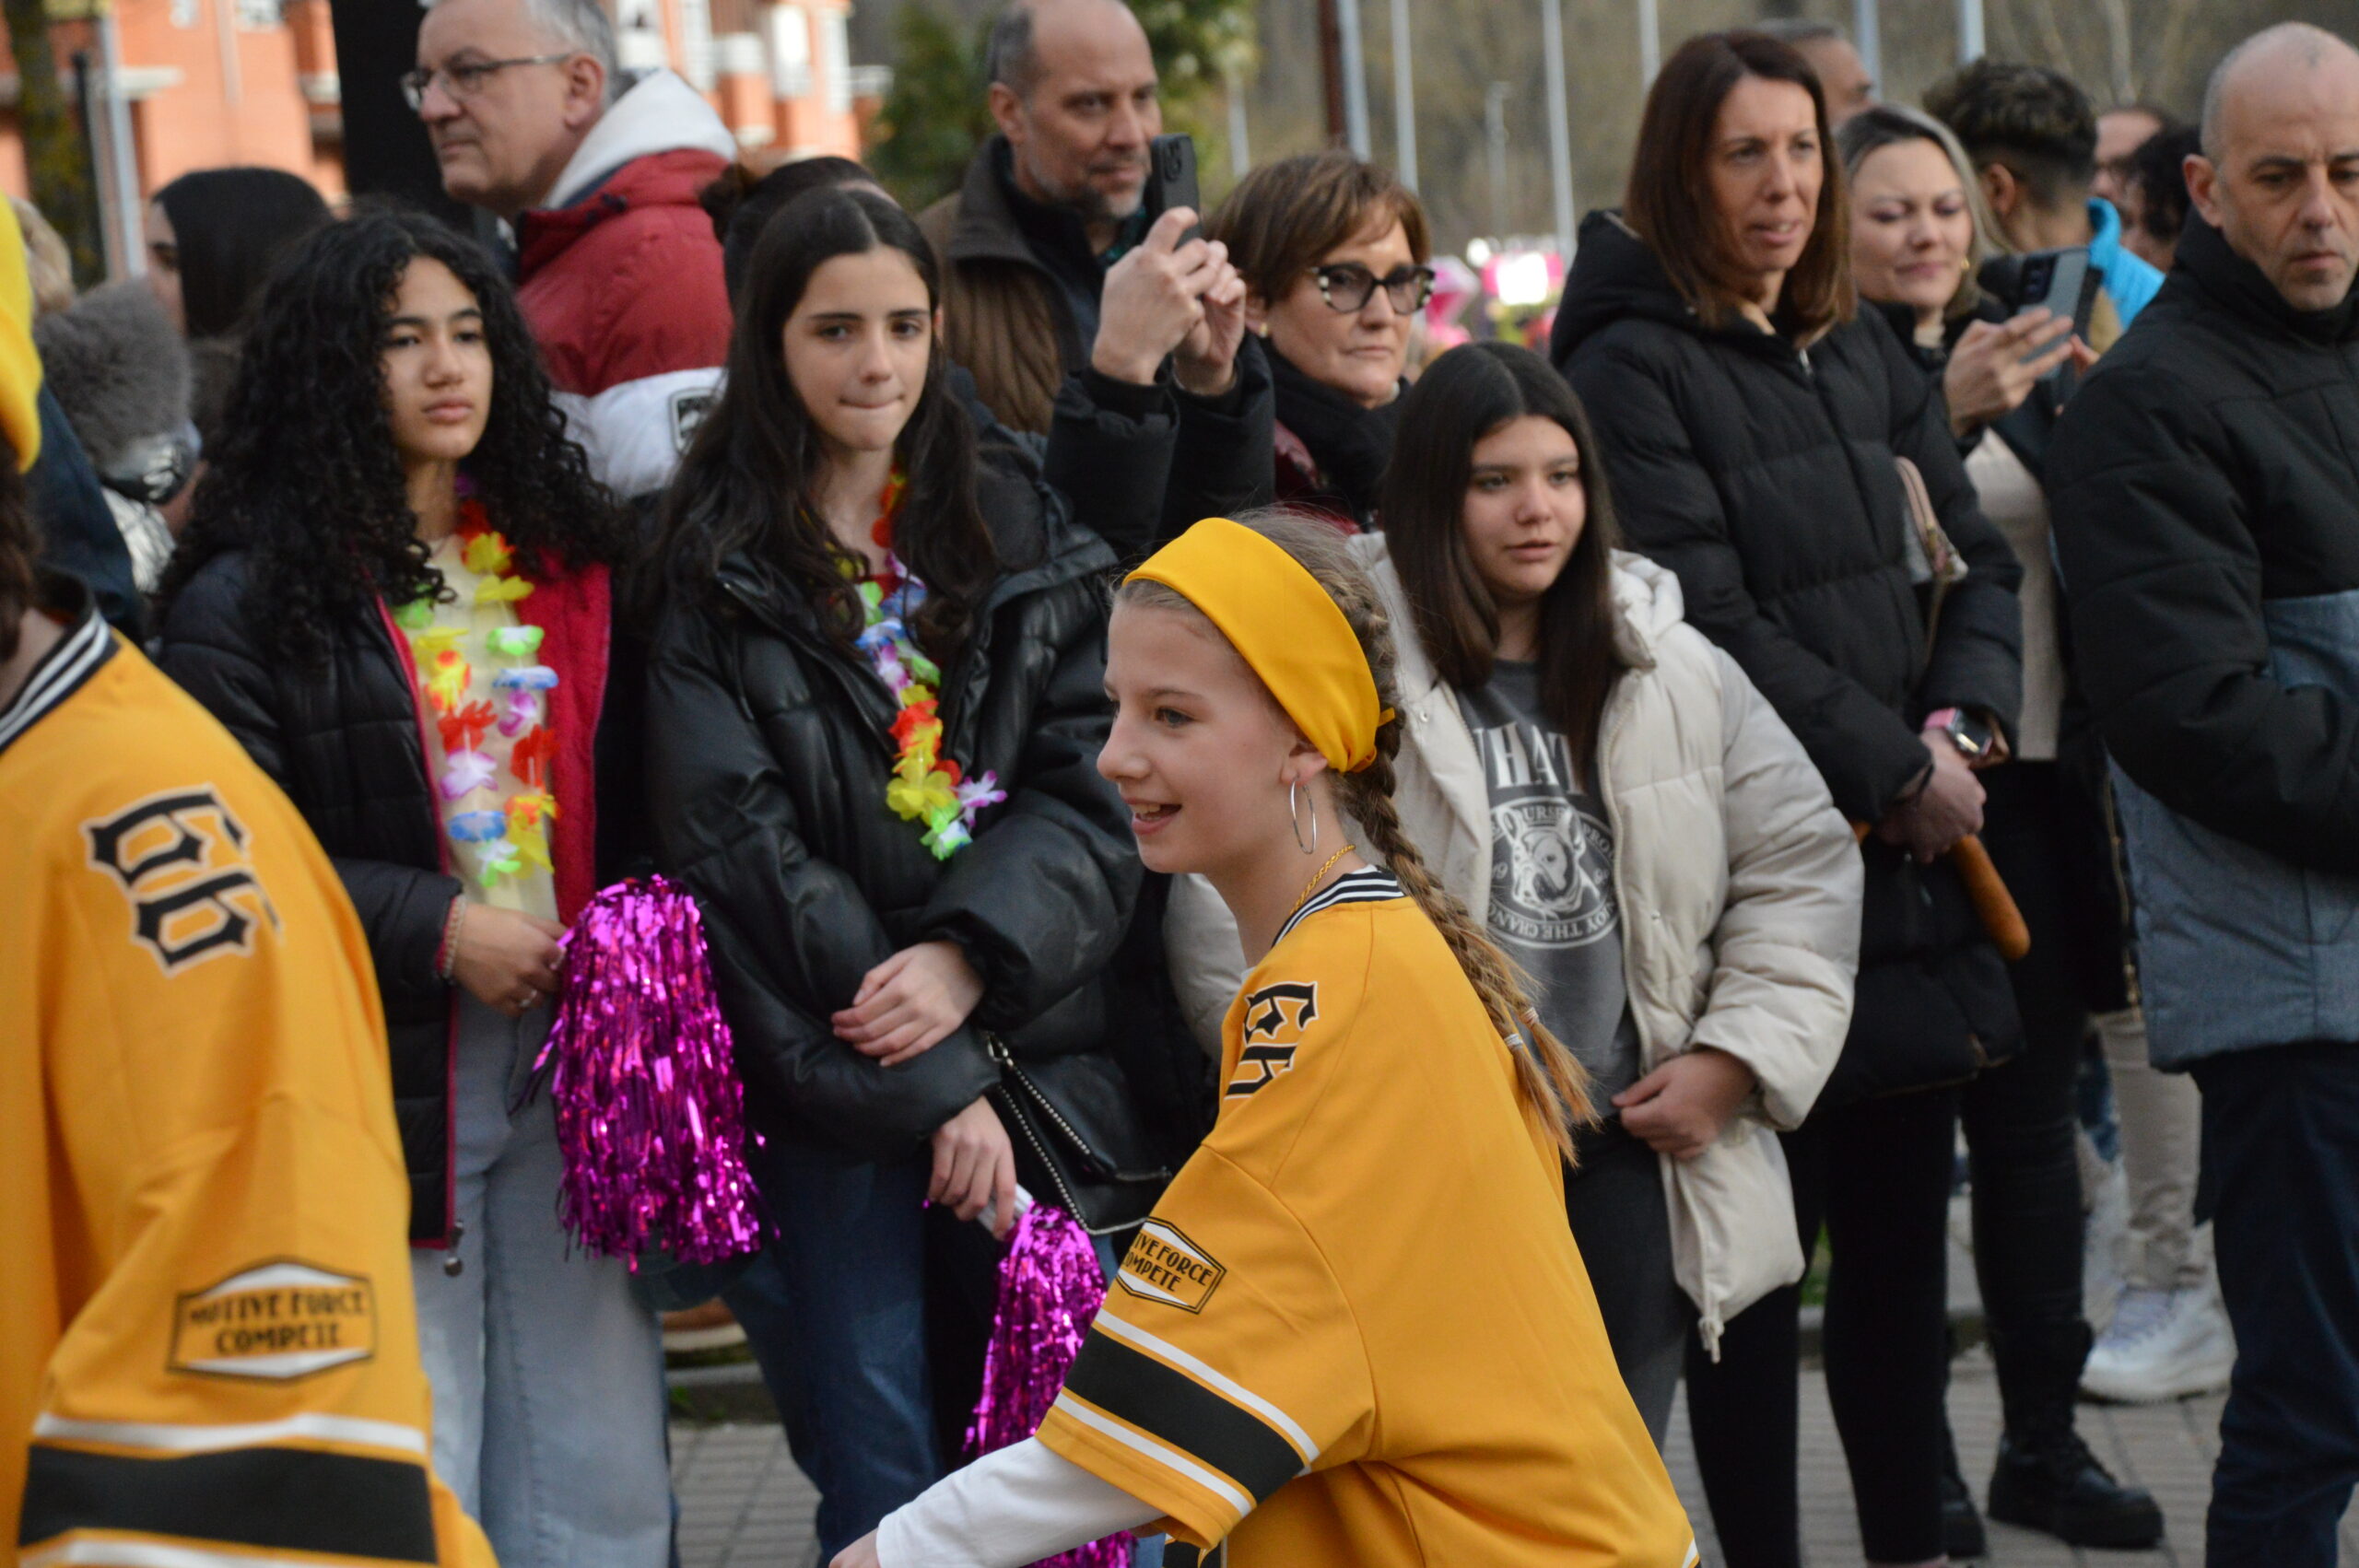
(2047, 1480)
(1962, 1532)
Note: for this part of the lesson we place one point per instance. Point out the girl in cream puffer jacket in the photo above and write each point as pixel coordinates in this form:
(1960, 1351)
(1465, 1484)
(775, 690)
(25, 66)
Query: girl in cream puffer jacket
(1737, 887)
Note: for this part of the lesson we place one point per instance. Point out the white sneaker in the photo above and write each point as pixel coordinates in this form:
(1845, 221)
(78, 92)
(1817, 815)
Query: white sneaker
(2161, 1345)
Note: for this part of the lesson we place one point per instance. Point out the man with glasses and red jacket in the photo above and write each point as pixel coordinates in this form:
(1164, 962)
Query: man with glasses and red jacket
(597, 175)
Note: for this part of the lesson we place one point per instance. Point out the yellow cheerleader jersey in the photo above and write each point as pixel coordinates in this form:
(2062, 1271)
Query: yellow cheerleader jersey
(1355, 1331)
(206, 1337)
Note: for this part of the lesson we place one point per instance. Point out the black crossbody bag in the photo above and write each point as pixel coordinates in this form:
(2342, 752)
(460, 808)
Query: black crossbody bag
(1075, 1142)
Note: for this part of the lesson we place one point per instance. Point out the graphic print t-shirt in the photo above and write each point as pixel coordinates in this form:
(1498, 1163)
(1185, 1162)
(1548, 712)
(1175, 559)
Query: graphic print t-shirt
(1551, 874)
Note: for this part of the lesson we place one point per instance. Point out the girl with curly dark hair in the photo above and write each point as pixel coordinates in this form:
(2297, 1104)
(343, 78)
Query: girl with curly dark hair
(395, 592)
(873, 703)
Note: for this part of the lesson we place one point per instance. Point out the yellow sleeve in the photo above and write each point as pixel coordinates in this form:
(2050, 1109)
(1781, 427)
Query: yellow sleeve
(238, 1375)
(1224, 1362)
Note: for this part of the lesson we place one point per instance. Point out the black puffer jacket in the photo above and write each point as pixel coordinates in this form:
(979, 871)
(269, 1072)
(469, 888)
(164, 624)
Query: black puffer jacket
(1764, 475)
(2207, 538)
(768, 760)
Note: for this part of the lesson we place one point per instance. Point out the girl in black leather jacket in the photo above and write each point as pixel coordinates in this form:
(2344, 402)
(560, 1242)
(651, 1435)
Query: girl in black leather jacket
(874, 709)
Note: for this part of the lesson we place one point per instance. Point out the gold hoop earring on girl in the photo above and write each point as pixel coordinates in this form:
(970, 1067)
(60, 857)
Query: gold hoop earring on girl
(1293, 820)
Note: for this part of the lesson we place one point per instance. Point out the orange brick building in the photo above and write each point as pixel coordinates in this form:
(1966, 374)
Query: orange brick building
(214, 82)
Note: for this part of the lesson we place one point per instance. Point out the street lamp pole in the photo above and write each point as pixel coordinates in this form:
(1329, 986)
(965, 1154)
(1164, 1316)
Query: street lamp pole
(1347, 17)
(1969, 32)
(1404, 96)
(1869, 40)
(1560, 135)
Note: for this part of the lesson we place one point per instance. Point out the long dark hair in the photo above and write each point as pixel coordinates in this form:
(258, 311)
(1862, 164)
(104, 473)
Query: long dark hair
(1669, 199)
(1463, 396)
(740, 204)
(230, 226)
(750, 480)
(304, 473)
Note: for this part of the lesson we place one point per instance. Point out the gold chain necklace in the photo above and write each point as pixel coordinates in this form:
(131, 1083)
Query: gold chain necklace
(1312, 885)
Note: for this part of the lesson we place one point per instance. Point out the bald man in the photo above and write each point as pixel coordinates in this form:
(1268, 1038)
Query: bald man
(1842, 75)
(2203, 482)
(1066, 304)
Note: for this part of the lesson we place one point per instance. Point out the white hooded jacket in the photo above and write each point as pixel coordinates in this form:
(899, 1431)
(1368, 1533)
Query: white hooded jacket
(1739, 886)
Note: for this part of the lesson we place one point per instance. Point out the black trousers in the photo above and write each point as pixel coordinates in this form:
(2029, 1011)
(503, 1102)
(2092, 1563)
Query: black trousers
(1876, 1174)
(2018, 1118)
(2280, 1162)
(1621, 1222)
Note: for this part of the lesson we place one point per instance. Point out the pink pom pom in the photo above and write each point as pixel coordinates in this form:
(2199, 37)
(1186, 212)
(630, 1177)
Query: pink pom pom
(1050, 1291)
(650, 1114)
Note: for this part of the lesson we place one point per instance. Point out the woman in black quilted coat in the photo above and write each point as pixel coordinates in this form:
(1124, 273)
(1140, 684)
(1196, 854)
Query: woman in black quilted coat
(1756, 427)
(833, 536)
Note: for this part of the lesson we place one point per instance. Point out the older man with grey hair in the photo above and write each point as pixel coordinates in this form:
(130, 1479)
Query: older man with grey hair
(2202, 481)
(597, 176)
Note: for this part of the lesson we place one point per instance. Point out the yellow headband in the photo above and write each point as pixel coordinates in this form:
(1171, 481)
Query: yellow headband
(1286, 629)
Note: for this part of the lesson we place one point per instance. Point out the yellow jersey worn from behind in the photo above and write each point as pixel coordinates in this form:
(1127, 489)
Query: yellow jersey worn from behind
(208, 1353)
(1356, 1331)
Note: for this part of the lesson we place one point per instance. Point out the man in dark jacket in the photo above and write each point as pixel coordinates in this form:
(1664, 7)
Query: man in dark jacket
(597, 175)
(2202, 484)
(1058, 293)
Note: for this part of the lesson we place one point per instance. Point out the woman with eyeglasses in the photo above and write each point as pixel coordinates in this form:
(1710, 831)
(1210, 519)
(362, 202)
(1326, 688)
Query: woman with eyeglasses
(1334, 253)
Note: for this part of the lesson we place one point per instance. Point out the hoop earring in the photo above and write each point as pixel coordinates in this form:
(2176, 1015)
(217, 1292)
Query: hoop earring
(1293, 820)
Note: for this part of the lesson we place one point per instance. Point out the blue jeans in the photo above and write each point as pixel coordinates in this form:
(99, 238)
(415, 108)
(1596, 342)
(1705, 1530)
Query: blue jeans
(2281, 1156)
(547, 1373)
(835, 1312)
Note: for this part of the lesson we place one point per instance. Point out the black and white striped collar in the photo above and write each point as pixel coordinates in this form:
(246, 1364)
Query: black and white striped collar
(88, 644)
(1352, 887)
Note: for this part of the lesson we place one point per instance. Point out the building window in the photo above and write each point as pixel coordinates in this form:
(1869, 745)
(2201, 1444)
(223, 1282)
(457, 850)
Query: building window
(258, 16)
(696, 44)
(790, 52)
(835, 60)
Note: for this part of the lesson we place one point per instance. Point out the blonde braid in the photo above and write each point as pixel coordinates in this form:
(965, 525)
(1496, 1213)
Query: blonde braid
(1549, 1076)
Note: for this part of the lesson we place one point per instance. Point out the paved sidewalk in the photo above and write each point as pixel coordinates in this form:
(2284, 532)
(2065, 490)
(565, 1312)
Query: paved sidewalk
(744, 1504)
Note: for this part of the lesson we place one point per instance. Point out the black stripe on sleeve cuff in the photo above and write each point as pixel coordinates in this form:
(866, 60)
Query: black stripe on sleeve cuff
(277, 1499)
(1179, 1411)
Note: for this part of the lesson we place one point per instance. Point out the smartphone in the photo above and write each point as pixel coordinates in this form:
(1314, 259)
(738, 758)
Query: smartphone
(2061, 280)
(1171, 181)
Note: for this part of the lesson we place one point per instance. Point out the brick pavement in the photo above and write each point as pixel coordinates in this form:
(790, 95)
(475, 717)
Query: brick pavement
(744, 1504)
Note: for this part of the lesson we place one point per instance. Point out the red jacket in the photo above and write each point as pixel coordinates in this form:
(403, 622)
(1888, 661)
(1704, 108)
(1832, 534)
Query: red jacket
(621, 279)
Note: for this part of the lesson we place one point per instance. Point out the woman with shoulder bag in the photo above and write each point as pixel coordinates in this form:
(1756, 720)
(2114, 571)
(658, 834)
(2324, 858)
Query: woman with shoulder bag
(1614, 803)
(874, 704)
(1756, 424)
(1916, 232)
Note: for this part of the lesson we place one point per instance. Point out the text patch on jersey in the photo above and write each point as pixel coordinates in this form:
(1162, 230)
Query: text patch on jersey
(1275, 1017)
(1165, 1265)
(181, 861)
(278, 1320)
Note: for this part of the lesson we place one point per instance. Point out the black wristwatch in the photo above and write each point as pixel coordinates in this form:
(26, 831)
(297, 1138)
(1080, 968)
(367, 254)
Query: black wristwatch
(1971, 736)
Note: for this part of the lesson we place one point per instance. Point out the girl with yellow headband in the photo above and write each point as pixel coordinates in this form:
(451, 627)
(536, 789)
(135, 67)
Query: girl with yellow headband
(1355, 1331)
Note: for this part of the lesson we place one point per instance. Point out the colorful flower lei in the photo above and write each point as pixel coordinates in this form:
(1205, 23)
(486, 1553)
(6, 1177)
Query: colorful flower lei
(926, 786)
(513, 836)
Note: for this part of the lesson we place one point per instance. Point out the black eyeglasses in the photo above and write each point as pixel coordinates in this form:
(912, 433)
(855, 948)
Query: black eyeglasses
(1347, 286)
(466, 78)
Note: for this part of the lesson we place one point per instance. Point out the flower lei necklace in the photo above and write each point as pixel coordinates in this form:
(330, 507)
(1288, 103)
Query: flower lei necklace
(926, 786)
(510, 836)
